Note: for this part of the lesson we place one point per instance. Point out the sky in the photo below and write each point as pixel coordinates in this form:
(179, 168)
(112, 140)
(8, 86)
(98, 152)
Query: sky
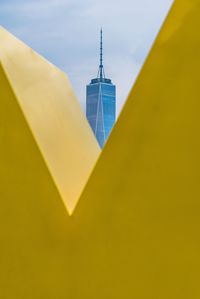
(67, 32)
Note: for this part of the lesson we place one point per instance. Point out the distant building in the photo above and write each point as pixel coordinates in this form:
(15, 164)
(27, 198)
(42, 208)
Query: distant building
(101, 103)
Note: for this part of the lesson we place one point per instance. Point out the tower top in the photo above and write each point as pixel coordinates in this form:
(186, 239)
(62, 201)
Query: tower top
(101, 73)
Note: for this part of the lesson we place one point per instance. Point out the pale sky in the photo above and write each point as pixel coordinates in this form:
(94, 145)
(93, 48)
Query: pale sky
(66, 32)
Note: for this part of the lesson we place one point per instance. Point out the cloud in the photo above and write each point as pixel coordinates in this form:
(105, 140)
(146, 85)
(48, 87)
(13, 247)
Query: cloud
(67, 33)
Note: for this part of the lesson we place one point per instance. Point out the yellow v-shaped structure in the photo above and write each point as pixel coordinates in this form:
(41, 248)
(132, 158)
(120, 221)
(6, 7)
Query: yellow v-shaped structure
(45, 106)
(135, 230)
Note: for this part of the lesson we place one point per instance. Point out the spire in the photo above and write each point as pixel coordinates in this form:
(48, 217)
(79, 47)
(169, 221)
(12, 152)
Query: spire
(101, 69)
(101, 55)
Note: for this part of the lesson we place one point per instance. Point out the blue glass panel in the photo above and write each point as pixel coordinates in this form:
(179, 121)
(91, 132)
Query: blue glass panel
(101, 108)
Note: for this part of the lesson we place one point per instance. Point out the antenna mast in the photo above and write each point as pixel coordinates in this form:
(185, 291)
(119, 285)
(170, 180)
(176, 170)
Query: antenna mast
(101, 68)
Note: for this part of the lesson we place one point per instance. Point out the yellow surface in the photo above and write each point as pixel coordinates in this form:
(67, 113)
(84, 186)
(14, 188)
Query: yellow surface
(135, 231)
(141, 208)
(53, 115)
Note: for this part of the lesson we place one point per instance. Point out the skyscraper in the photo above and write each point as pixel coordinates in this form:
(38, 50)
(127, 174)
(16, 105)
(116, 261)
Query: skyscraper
(101, 103)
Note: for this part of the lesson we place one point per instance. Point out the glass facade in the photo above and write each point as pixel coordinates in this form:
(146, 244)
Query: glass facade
(101, 108)
(101, 103)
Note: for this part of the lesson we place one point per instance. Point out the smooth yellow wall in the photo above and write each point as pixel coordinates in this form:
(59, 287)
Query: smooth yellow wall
(140, 212)
(33, 217)
(53, 114)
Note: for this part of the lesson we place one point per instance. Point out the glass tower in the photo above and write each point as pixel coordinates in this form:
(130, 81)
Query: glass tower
(101, 103)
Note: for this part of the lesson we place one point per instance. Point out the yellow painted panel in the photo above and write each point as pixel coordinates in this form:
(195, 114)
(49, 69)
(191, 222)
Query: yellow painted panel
(33, 217)
(141, 208)
(53, 114)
